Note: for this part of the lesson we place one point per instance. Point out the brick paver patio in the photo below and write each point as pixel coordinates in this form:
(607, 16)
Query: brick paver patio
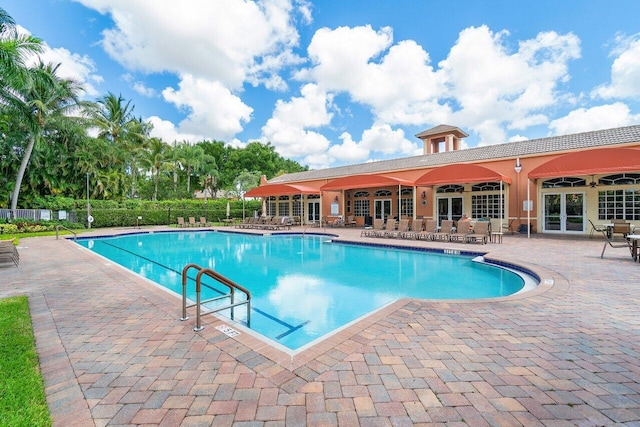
(113, 351)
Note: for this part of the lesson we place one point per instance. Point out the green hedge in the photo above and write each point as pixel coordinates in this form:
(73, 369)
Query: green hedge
(164, 215)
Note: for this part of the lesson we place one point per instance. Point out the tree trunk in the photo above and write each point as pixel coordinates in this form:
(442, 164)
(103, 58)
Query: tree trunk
(21, 171)
(155, 193)
(188, 178)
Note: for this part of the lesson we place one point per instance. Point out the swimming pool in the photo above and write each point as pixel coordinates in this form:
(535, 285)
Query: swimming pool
(304, 287)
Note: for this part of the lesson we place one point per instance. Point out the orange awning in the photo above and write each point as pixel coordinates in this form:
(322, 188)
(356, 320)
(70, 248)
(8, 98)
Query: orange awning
(364, 181)
(591, 162)
(280, 190)
(460, 173)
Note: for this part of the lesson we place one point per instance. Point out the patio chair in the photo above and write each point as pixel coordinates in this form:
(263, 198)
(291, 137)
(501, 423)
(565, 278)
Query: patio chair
(616, 244)
(463, 229)
(446, 228)
(621, 227)
(351, 221)
(192, 221)
(378, 225)
(203, 222)
(430, 228)
(9, 253)
(181, 223)
(596, 228)
(480, 233)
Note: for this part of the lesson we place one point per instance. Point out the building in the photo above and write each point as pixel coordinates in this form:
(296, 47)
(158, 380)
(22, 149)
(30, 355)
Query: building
(555, 184)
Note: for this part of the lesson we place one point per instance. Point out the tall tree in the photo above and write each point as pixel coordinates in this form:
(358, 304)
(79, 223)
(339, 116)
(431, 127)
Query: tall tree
(40, 100)
(154, 159)
(193, 157)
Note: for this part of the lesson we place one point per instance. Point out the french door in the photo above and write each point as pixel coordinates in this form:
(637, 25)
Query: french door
(563, 213)
(313, 212)
(449, 208)
(382, 208)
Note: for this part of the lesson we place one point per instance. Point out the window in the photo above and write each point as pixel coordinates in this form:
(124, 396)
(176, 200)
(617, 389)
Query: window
(619, 204)
(296, 209)
(361, 194)
(283, 208)
(486, 186)
(451, 188)
(487, 206)
(567, 181)
(271, 206)
(620, 179)
(361, 207)
(382, 193)
(406, 207)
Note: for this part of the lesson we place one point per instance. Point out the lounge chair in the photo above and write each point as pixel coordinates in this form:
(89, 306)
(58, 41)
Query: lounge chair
(430, 228)
(446, 227)
(181, 223)
(9, 253)
(389, 228)
(378, 225)
(462, 230)
(203, 222)
(480, 233)
(192, 221)
(403, 227)
(416, 227)
(350, 222)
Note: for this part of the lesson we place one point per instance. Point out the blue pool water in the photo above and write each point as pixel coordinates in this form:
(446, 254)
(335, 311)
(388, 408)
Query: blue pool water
(304, 287)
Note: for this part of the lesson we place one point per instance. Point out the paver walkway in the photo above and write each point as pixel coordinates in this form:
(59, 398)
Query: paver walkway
(113, 351)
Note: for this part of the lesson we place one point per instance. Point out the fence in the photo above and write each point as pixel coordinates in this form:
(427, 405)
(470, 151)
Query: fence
(40, 214)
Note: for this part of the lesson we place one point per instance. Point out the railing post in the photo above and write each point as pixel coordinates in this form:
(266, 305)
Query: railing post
(184, 289)
(199, 326)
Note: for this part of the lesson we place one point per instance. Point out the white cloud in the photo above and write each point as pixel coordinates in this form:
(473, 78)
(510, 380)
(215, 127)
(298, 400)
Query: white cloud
(217, 40)
(143, 90)
(495, 88)
(594, 118)
(213, 110)
(167, 131)
(80, 68)
(289, 127)
(625, 70)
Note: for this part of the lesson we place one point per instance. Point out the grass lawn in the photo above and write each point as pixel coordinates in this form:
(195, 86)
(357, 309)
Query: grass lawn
(22, 398)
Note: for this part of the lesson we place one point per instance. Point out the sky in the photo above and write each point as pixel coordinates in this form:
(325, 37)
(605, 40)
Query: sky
(338, 82)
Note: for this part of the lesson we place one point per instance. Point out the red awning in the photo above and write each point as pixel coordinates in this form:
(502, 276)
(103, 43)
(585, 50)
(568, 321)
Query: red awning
(280, 190)
(364, 181)
(461, 173)
(591, 162)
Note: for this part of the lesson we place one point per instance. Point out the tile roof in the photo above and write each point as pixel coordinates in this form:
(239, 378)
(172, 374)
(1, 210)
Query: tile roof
(440, 129)
(554, 144)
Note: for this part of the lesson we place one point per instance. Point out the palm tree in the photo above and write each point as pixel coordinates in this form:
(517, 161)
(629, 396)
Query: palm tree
(154, 159)
(176, 158)
(41, 101)
(14, 48)
(193, 157)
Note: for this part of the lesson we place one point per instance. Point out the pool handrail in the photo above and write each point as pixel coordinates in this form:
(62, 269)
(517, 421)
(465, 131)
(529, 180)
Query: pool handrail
(221, 279)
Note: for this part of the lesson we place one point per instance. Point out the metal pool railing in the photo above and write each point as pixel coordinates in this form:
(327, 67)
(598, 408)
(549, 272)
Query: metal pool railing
(221, 279)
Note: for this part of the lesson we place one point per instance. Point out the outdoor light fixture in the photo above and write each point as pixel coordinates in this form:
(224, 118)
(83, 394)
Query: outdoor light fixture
(518, 167)
(423, 195)
(335, 200)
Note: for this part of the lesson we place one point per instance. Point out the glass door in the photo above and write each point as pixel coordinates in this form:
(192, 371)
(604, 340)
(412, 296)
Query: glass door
(449, 208)
(313, 212)
(382, 208)
(563, 213)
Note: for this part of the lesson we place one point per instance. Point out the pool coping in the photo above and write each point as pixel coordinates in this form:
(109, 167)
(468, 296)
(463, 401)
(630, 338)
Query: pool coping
(354, 333)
